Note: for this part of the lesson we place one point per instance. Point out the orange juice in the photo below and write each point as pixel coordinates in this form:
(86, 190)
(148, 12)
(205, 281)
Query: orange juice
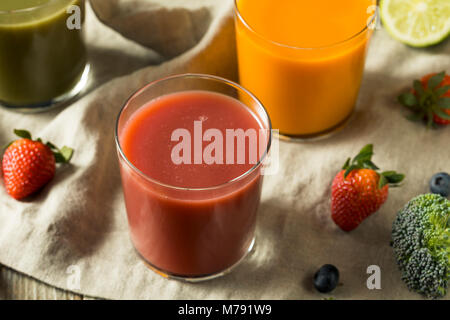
(303, 59)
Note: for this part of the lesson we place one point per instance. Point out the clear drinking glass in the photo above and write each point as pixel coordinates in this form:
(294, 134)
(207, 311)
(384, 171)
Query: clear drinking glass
(307, 91)
(43, 59)
(186, 233)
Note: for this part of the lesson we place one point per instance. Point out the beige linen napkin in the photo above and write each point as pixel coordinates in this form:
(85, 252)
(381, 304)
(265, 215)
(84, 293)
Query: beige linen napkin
(79, 218)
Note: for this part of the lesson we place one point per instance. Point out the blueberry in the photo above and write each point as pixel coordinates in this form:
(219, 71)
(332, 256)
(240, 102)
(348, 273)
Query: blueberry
(326, 278)
(440, 184)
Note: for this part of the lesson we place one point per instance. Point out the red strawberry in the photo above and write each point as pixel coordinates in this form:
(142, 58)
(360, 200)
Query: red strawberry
(430, 99)
(359, 190)
(28, 164)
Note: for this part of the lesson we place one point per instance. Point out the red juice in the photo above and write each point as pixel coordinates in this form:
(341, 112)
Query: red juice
(189, 220)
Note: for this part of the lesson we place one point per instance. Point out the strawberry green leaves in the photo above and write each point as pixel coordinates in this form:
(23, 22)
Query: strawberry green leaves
(62, 155)
(363, 160)
(444, 103)
(435, 80)
(427, 100)
(390, 177)
(408, 100)
(22, 133)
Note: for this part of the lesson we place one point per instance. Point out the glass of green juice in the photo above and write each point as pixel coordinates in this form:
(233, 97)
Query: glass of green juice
(43, 60)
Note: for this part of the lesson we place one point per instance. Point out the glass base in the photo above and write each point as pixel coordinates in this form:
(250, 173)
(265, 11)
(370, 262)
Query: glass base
(199, 278)
(317, 136)
(56, 102)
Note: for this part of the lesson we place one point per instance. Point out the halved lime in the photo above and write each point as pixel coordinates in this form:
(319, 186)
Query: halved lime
(418, 23)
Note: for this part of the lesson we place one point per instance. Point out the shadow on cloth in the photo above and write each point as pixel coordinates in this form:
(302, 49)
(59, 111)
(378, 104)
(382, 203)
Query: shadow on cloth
(151, 25)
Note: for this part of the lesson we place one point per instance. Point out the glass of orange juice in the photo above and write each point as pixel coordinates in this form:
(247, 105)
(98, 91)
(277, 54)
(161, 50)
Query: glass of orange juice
(304, 60)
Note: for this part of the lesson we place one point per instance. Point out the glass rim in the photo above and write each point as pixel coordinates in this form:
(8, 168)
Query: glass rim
(30, 9)
(198, 76)
(286, 46)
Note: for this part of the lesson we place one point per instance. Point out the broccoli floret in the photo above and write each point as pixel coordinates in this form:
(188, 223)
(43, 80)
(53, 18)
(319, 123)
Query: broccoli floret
(421, 243)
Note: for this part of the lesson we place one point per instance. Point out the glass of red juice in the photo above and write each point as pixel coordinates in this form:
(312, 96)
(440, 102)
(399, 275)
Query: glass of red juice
(191, 149)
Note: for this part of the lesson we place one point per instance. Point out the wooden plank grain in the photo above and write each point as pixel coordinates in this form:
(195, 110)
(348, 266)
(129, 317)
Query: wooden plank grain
(17, 286)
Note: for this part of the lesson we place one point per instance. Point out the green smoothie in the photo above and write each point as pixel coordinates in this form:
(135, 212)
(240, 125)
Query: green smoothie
(41, 58)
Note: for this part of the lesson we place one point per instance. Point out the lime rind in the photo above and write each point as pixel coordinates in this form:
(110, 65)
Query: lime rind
(418, 23)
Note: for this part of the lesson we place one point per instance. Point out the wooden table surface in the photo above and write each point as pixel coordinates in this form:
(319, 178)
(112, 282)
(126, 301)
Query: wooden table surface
(16, 286)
